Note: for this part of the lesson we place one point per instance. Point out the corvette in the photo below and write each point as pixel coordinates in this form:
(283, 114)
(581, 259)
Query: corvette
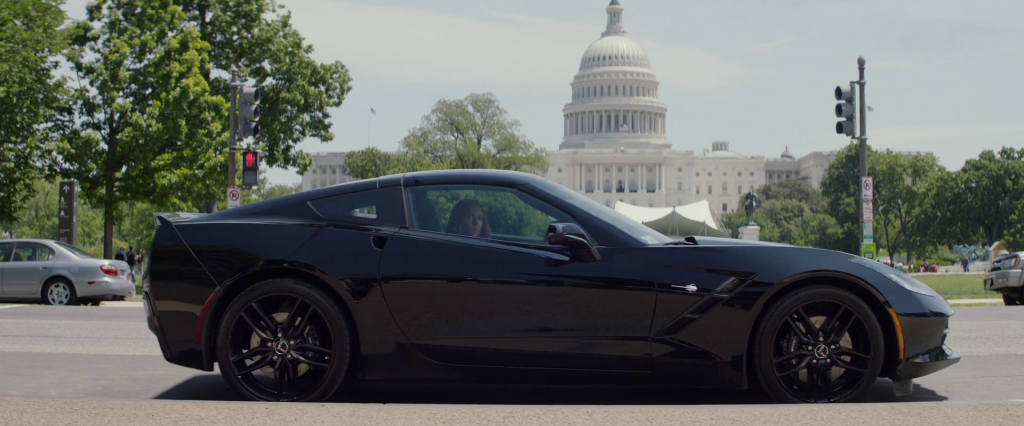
(505, 277)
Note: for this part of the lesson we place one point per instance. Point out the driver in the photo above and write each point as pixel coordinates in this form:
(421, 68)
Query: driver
(468, 218)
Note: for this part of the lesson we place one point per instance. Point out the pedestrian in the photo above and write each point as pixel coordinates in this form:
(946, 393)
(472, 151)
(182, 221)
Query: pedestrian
(131, 263)
(120, 254)
(964, 262)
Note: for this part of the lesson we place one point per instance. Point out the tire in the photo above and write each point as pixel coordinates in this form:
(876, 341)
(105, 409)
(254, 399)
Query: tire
(283, 340)
(1012, 300)
(832, 363)
(59, 292)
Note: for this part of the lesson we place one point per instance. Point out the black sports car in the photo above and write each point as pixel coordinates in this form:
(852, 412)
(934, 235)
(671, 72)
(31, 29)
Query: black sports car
(496, 276)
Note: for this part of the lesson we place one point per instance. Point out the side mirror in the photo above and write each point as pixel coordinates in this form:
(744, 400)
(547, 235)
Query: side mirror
(570, 235)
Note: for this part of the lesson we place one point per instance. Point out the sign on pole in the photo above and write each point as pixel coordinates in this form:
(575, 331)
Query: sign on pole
(869, 250)
(868, 209)
(867, 188)
(67, 212)
(234, 197)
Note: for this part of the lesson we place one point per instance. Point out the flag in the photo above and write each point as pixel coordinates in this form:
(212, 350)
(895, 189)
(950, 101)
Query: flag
(623, 128)
(870, 109)
(373, 111)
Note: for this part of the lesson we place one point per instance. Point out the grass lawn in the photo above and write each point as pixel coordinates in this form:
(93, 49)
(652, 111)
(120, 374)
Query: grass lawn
(958, 286)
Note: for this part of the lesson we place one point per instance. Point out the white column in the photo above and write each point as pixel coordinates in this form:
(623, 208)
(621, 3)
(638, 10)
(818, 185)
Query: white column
(615, 181)
(643, 177)
(600, 178)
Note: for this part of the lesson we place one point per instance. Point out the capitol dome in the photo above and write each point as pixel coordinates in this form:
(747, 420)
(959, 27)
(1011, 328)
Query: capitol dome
(615, 94)
(615, 51)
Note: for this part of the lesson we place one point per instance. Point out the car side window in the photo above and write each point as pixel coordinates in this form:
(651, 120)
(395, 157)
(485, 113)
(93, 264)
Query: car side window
(5, 251)
(483, 212)
(381, 206)
(31, 252)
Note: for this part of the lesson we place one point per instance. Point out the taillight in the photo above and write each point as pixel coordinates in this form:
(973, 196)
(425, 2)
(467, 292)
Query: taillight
(109, 270)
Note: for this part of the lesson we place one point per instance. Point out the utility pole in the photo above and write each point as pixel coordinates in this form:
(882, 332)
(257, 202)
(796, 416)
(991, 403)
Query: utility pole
(846, 110)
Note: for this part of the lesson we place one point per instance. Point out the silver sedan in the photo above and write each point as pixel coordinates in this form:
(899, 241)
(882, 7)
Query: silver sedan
(59, 274)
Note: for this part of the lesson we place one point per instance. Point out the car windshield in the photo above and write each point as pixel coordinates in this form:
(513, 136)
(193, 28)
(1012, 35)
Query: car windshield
(635, 229)
(75, 251)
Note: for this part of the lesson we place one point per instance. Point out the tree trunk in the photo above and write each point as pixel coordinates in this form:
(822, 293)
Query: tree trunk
(108, 204)
(910, 252)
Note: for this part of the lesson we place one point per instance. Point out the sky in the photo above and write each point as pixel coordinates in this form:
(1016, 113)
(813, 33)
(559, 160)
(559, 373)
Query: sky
(942, 75)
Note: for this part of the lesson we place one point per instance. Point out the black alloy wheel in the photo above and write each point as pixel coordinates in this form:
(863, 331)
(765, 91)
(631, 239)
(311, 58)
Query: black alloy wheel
(820, 344)
(283, 340)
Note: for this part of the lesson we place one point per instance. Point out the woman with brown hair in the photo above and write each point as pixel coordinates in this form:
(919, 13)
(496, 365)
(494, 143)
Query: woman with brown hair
(468, 218)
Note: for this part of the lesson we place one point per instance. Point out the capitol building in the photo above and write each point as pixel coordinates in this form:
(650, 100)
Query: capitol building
(616, 147)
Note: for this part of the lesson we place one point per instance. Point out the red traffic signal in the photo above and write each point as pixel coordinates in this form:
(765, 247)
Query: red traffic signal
(251, 160)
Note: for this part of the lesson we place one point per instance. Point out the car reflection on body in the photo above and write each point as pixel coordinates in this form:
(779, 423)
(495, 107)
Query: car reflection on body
(498, 276)
(59, 274)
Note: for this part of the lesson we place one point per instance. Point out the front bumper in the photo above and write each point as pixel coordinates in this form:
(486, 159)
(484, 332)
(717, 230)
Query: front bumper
(1006, 279)
(105, 287)
(926, 363)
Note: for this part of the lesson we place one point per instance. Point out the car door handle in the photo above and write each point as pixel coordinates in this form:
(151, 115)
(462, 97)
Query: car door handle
(378, 241)
(690, 288)
(44, 267)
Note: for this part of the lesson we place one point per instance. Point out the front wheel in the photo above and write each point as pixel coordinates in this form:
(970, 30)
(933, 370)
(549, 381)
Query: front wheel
(283, 340)
(818, 344)
(1012, 300)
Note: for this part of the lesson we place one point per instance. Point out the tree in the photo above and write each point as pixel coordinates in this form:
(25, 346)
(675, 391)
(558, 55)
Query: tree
(296, 90)
(278, 190)
(791, 212)
(147, 126)
(841, 190)
(472, 133)
(984, 197)
(31, 41)
(901, 187)
(372, 162)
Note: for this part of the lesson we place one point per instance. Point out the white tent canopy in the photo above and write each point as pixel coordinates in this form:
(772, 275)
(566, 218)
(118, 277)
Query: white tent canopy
(681, 221)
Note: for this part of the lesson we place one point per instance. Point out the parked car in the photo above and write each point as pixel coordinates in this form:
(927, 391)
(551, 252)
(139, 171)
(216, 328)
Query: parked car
(499, 276)
(59, 274)
(1007, 278)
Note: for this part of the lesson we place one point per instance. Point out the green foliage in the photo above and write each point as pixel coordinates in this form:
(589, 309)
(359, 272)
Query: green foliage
(983, 199)
(841, 190)
(470, 133)
(147, 127)
(297, 92)
(31, 41)
(791, 212)
(277, 190)
(901, 190)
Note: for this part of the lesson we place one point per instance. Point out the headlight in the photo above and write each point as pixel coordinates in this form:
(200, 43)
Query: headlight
(912, 285)
(1009, 263)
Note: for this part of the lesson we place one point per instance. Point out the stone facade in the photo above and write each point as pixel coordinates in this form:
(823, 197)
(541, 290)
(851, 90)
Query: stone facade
(328, 169)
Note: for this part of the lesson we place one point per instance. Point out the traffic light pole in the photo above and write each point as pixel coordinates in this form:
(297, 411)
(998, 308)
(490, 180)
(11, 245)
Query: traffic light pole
(233, 133)
(863, 138)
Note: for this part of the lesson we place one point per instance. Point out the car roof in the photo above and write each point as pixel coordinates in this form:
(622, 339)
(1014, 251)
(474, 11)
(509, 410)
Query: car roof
(507, 178)
(27, 240)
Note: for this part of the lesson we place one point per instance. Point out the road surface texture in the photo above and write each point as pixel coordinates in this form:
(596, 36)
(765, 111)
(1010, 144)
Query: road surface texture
(101, 365)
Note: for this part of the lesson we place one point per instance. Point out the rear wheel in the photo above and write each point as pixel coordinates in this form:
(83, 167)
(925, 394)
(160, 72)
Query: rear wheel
(59, 292)
(283, 340)
(818, 344)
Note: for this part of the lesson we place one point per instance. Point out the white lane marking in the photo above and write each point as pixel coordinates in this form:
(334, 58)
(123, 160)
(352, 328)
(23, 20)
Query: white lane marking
(10, 306)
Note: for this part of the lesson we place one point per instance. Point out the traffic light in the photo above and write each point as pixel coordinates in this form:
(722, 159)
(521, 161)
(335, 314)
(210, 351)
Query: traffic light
(249, 111)
(250, 169)
(845, 109)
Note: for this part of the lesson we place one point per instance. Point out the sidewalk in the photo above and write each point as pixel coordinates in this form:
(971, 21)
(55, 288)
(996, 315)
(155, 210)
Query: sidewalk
(139, 304)
(955, 302)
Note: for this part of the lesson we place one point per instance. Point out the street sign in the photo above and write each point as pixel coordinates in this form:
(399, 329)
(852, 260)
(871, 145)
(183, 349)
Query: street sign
(67, 212)
(867, 188)
(869, 250)
(869, 212)
(869, 234)
(234, 197)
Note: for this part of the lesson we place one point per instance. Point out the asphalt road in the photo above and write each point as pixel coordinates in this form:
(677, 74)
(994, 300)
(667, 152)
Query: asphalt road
(108, 353)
